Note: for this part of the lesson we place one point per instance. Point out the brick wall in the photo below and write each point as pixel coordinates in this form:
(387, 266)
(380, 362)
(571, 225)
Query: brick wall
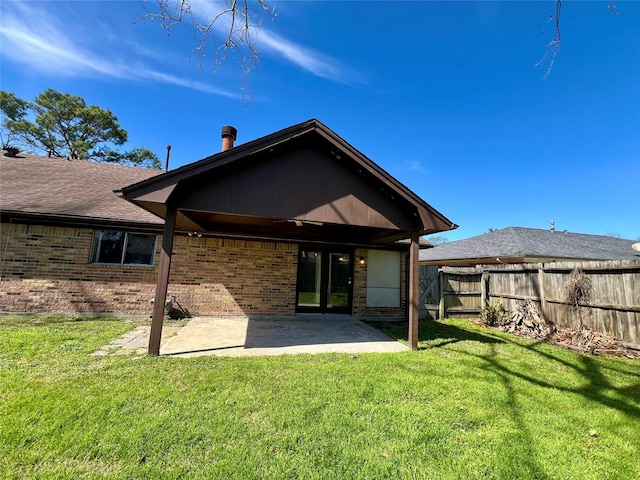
(47, 270)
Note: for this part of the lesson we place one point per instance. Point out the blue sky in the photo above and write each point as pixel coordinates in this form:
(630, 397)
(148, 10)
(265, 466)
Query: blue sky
(442, 95)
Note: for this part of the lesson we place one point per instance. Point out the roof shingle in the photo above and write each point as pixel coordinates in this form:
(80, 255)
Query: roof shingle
(70, 188)
(519, 242)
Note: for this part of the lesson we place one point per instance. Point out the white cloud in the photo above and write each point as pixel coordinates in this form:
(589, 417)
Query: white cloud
(415, 165)
(311, 60)
(32, 36)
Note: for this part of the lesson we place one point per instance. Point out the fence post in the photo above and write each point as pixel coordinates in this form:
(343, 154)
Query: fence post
(542, 281)
(484, 289)
(441, 309)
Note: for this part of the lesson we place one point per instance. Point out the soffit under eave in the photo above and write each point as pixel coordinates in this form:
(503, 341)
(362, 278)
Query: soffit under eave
(432, 223)
(183, 222)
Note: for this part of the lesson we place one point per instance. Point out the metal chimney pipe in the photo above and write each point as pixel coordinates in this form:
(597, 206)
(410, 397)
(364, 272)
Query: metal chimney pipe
(166, 165)
(228, 137)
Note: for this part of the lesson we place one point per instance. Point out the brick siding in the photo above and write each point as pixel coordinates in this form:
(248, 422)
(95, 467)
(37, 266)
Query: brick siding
(46, 269)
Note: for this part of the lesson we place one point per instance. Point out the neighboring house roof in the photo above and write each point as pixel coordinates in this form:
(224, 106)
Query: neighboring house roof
(75, 191)
(303, 173)
(520, 245)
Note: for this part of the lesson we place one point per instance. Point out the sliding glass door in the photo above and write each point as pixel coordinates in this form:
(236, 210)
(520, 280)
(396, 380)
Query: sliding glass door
(324, 281)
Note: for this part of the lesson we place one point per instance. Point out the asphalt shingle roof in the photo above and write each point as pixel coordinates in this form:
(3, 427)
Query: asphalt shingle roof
(70, 188)
(518, 242)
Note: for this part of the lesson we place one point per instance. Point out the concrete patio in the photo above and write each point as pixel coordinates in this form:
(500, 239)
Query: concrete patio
(244, 336)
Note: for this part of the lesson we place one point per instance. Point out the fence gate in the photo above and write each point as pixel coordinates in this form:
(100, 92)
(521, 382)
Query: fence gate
(429, 292)
(460, 292)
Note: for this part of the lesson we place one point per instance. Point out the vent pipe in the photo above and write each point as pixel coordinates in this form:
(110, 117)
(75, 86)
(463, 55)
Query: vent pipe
(166, 165)
(228, 137)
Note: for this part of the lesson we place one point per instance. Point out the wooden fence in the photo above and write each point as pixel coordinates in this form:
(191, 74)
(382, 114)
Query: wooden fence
(613, 307)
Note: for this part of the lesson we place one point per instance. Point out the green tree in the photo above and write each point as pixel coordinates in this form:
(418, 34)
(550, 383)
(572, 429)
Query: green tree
(62, 125)
(437, 240)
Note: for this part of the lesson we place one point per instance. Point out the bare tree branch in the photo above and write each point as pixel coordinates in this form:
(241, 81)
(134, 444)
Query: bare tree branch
(553, 47)
(612, 7)
(235, 23)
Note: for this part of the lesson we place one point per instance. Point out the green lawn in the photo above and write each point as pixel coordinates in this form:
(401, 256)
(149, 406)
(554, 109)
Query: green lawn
(471, 403)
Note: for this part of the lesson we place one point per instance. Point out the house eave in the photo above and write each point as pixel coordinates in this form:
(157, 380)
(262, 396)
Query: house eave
(463, 262)
(161, 188)
(76, 221)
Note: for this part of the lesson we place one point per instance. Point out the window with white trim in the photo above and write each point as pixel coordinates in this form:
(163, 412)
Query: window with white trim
(124, 248)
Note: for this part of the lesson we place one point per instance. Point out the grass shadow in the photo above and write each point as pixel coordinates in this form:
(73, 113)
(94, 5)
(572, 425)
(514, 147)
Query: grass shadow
(433, 333)
(597, 385)
(45, 320)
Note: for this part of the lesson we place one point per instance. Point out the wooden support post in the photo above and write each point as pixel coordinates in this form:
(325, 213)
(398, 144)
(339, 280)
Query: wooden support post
(163, 282)
(414, 290)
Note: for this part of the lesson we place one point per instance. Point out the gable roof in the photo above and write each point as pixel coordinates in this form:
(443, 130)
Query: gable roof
(74, 191)
(266, 161)
(519, 244)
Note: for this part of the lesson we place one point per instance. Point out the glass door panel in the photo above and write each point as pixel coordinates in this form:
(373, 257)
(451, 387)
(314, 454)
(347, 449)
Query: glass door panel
(310, 279)
(339, 280)
(324, 281)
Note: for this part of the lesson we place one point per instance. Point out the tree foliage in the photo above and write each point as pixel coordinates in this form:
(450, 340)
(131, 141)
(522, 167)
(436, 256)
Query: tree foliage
(437, 240)
(62, 125)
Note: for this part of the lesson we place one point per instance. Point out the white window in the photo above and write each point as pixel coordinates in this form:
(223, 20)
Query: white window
(123, 248)
(383, 278)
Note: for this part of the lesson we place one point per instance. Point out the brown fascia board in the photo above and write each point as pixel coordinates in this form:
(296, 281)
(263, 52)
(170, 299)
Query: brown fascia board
(463, 262)
(159, 188)
(75, 221)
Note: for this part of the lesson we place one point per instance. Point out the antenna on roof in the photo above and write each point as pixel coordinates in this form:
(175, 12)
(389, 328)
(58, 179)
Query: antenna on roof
(166, 165)
(553, 226)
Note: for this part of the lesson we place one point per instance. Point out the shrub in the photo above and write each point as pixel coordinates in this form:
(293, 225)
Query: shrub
(494, 314)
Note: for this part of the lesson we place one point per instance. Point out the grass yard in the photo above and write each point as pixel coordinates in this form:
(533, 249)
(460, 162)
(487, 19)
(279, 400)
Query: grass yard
(471, 403)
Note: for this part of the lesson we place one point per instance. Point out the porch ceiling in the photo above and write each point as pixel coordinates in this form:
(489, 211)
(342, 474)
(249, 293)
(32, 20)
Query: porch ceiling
(291, 229)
